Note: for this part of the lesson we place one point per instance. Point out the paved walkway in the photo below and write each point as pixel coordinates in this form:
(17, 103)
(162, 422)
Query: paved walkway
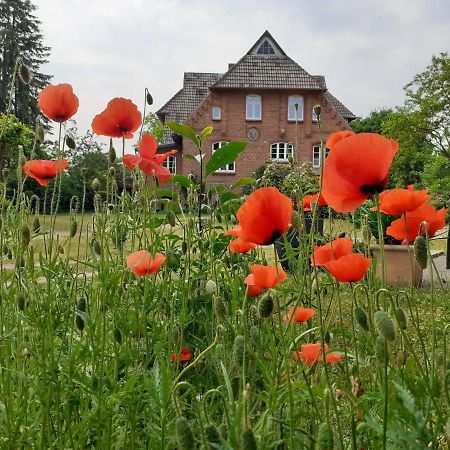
(444, 274)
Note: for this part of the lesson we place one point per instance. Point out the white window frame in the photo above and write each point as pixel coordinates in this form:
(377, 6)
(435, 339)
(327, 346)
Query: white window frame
(171, 163)
(317, 156)
(315, 119)
(229, 168)
(253, 107)
(277, 149)
(292, 100)
(266, 48)
(216, 113)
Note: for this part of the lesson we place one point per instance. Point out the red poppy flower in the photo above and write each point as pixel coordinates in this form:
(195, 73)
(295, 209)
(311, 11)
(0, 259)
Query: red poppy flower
(311, 353)
(338, 259)
(299, 314)
(264, 216)
(263, 277)
(148, 160)
(357, 167)
(240, 246)
(308, 200)
(121, 118)
(142, 263)
(58, 103)
(184, 355)
(335, 137)
(42, 170)
(424, 213)
(395, 202)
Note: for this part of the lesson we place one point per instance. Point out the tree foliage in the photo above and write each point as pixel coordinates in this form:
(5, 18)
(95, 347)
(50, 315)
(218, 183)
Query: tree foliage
(373, 123)
(20, 37)
(152, 125)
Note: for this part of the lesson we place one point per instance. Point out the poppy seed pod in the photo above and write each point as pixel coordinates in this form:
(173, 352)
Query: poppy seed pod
(380, 349)
(81, 304)
(40, 133)
(361, 318)
(366, 234)
(185, 436)
(317, 109)
(73, 227)
(238, 349)
(25, 235)
(70, 142)
(96, 247)
(20, 301)
(79, 322)
(384, 325)
(112, 171)
(211, 287)
(171, 219)
(25, 73)
(36, 224)
(117, 335)
(265, 306)
(248, 440)
(421, 251)
(95, 184)
(296, 221)
(325, 439)
(111, 152)
(401, 318)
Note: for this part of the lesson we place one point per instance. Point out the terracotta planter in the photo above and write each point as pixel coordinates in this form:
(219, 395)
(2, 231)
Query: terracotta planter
(398, 265)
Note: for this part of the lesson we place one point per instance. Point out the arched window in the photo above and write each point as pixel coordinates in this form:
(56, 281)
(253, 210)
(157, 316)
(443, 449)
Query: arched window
(265, 48)
(295, 108)
(316, 156)
(280, 151)
(171, 164)
(253, 107)
(229, 168)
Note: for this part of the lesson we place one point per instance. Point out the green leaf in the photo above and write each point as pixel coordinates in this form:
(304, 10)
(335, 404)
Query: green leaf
(184, 130)
(181, 180)
(166, 193)
(227, 196)
(206, 132)
(189, 156)
(218, 188)
(243, 182)
(224, 155)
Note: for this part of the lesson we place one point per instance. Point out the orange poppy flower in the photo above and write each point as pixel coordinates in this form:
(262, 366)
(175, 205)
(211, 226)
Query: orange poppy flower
(395, 202)
(308, 200)
(121, 118)
(58, 103)
(184, 355)
(335, 137)
(42, 170)
(148, 160)
(141, 263)
(264, 216)
(357, 167)
(311, 353)
(240, 246)
(299, 314)
(263, 277)
(424, 213)
(333, 250)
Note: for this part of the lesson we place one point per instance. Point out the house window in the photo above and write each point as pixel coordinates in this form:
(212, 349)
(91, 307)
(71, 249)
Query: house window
(295, 108)
(265, 48)
(314, 116)
(171, 164)
(229, 168)
(253, 107)
(316, 156)
(216, 113)
(280, 151)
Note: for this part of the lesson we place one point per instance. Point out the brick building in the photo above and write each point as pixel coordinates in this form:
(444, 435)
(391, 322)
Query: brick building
(265, 98)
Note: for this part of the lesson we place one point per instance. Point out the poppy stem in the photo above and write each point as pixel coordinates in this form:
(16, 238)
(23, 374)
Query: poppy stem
(381, 241)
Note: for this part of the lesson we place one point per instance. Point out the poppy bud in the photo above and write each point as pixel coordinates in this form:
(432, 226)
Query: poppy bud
(402, 357)
(149, 98)
(25, 73)
(185, 436)
(96, 247)
(212, 434)
(327, 338)
(36, 224)
(22, 160)
(112, 171)
(317, 110)
(219, 218)
(384, 325)
(248, 441)
(81, 304)
(95, 184)
(421, 251)
(366, 234)
(60, 249)
(254, 334)
(79, 322)
(25, 234)
(184, 247)
(265, 306)
(26, 353)
(70, 142)
(20, 301)
(296, 221)
(110, 206)
(401, 318)
(290, 160)
(361, 318)
(73, 227)
(117, 335)
(219, 351)
(211, 287)
(325, 439)
(171, 219)
(341, 234)
(40, 133)
(111, 152)
(238, 349)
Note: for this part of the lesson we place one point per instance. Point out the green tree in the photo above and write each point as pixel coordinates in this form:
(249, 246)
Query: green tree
(20, 37)
(152, 125)
(372, 123)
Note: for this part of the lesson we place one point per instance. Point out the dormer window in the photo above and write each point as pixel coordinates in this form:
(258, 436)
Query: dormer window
(216, 113)
(295, 108)
(265, 48)
(253, 107)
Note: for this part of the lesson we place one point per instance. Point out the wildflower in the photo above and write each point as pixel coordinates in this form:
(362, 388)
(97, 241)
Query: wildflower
(142, 263)
(264, 216)
(338, 259)
(299, 314)
(240, 246)
(424, 213)
(309, 200)
(184, 355)
(42, 170)
(121, 118)
(311, 353)
(357, 167)
(148, 160)
(58, 103)
(263, 277)
(399, 201)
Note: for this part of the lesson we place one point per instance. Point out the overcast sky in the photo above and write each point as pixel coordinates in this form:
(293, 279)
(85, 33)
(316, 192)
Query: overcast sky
(366, 49)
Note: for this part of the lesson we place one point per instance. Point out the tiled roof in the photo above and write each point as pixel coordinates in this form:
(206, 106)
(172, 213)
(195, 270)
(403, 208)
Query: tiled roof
(185, 101)
(338, 106)
(267, 72)
(320, 79)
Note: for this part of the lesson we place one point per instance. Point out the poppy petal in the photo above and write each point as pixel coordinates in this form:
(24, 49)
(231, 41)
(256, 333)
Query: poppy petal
(148, 146)
(335, 137)
(298, 315)
(240, 246)
(58, 103)
(333, 250)
(349, 268)
(395, 202)
(131, 161)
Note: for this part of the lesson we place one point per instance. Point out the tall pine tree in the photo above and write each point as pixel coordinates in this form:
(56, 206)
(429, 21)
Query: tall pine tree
(20, 36)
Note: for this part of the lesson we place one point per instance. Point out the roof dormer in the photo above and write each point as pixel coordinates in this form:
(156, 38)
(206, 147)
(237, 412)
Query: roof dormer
(266, 46)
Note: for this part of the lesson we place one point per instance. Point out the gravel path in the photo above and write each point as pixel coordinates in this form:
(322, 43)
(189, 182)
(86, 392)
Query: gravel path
(444, 274)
